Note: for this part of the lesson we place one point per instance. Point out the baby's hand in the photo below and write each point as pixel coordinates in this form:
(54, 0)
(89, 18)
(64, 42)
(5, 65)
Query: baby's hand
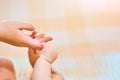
(49, 53)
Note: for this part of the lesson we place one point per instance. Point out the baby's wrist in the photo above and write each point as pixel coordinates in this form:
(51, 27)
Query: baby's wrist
(46, 58)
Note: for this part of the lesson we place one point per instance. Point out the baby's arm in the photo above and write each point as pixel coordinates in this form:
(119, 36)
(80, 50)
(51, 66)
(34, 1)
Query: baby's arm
(42, 69)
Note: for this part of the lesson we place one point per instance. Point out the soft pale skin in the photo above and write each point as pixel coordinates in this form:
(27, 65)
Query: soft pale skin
(41, 62)
(11, 33)
(42, 69)
(7, 71)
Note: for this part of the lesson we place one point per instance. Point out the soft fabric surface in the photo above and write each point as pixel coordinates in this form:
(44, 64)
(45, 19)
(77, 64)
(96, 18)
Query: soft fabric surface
(87, 32)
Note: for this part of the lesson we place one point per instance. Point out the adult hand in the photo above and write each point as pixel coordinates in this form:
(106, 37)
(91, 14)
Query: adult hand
(11, 33)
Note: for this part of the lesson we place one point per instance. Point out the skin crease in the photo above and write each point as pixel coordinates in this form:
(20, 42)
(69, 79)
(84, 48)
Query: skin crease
(11, 33)
(41, 61)
(42, 68)
(7, 71)
(32, 51)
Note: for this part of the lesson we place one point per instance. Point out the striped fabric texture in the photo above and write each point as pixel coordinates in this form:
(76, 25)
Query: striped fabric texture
(87, 33)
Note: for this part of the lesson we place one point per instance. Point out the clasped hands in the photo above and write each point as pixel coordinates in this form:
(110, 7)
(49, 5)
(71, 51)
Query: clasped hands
(41, 60)
(41, 55)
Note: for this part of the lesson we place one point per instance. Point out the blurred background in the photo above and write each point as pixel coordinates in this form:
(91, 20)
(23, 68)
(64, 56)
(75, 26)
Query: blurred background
(87, 32)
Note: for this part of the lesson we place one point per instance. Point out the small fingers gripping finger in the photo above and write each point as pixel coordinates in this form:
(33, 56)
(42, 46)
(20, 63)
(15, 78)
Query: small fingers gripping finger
(49, 53)
(33, 55)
